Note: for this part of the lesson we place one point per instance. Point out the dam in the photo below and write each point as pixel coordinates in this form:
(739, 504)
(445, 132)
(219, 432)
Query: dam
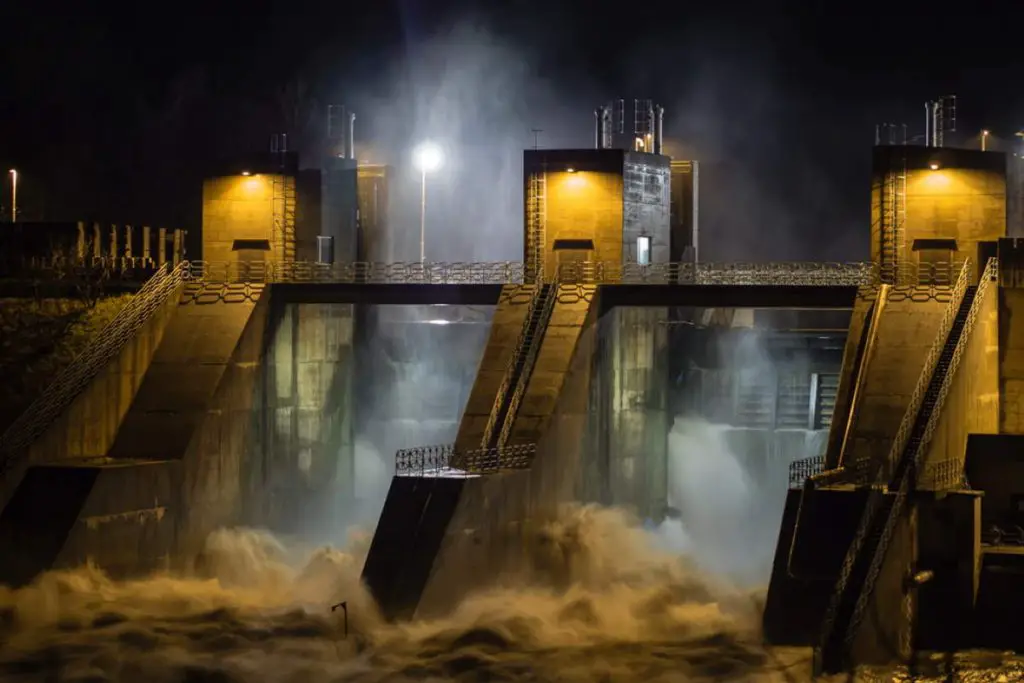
(878, 399)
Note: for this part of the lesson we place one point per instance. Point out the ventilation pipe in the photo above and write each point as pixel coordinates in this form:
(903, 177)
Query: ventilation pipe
(350, 136)
(659, 128)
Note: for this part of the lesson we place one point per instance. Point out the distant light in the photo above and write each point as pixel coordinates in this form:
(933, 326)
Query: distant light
(934, 166)
(984, 132)
(428, 157)
(246, 173)
(13, 172)
(570, 170)
(439, 322)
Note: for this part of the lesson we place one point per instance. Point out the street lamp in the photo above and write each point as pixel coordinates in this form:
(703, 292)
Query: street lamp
(428, 158)
(984, 140)
(14, 195)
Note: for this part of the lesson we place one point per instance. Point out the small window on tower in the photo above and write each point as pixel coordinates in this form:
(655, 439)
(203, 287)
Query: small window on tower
(643, 251)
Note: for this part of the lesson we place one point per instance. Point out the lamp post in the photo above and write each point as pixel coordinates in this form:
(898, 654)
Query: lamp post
(427, 157)
(984, 140)
(14, 195)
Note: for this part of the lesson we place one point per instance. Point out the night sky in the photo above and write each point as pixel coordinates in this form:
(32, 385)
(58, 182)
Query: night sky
(116, 114)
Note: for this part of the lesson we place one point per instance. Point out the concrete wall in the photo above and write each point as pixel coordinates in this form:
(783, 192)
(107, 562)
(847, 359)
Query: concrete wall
(557, 346)
(586, 203)
(684, 188)
(127, 525)
(646, 206)
(885, 626)
(995, 465)
(1011, 360)
(816, 530)
(238, 207)
(224, 481)
(87, 428)
(186, 370)
(963, 199)
(306, 413)
(906, 332)
(847, 378)
(340, 206)
(494, 533)
(374, 240)
(972, 404)
(630, 408)
(948, 542)
(506, 326)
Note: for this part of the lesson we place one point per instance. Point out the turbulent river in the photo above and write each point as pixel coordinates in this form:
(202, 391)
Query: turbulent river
(629, 611)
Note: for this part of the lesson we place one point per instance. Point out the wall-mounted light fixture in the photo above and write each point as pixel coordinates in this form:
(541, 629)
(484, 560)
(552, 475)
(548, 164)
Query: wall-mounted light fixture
(934, 166)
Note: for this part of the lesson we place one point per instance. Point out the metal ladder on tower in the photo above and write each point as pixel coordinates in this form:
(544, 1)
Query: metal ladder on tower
(536, 225)
(894, 215)
(283, 201)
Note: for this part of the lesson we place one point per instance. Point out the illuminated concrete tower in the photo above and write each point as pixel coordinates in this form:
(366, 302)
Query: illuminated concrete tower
(934, 205)
(263, 209)
(609, 204)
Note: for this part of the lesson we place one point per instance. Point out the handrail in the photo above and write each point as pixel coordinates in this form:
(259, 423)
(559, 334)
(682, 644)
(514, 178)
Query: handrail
(524, 376)
(909, 480)
(510, 368)
(857, 393)
(806, 274)
(878, 491)
(421, 460)
(74, 378)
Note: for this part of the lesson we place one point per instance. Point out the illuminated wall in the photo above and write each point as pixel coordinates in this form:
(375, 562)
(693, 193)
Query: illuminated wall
(951, 194)
(237, 208)
(584, 205)
(596, 205)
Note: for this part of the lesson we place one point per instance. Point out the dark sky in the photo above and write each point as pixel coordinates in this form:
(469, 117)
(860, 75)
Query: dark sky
(115, 114)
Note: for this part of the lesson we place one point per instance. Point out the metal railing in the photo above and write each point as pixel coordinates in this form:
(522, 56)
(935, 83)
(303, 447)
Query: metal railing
(909, 479)
(881, 481)
(583, 272)
(532, 351)
(499, 272)
(74, 378)
(522, 340)
(423, 460)
(944, 475)
(802, 470)
(862, 472)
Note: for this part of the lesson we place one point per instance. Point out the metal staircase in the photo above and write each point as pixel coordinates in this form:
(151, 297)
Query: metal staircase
(864, 560)
(536, 326)
(520, 366)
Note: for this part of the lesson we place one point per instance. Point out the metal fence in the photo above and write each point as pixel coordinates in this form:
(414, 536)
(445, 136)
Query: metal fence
(797, 273)
(434, 460)
(801, 470)
(74, 378)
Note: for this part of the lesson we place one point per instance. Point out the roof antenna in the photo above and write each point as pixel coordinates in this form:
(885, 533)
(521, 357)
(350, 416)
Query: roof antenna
(536, 137)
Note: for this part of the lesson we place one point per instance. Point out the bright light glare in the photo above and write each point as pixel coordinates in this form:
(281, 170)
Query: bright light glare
(934, 166)
(439, 322)
(246, 173)
(428, 157)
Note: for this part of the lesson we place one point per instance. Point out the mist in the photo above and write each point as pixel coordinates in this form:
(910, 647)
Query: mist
(596, 595)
